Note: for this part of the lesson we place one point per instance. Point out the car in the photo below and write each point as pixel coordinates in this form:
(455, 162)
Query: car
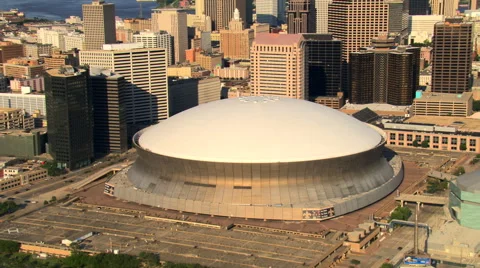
(11, 198)
(27, 201)
(2, 196)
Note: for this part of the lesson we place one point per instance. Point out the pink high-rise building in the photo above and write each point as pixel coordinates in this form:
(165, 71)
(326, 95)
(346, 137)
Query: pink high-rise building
(278, 65)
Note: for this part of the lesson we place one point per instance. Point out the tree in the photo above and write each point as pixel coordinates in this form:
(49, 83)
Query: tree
(415, 143)
(436, 186)
(54, 198)
(45, 202)
(459, 171)
(401, 213)
(149, 258)
(425, 144)
(387, 265)
(355, 262)
(9, 247)
(8, 207)
(53, 169)
(476, 105)
(463, 147)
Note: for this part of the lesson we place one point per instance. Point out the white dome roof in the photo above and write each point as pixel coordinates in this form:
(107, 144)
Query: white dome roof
(259, 130)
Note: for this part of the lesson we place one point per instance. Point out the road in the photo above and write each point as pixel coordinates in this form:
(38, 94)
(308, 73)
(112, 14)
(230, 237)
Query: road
(41, 188)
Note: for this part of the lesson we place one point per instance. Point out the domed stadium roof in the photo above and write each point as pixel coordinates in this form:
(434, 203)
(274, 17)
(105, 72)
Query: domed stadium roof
(259, 130)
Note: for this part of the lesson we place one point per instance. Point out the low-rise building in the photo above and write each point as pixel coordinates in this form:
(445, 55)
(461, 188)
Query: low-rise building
(209, 61)
(36, 50)
(187, 93)
(20, 143)
(382, 109)
(336, 102)
(22, 67)
(35, 84)
(22, 175)
(11, 118)
(31, 103)
(234, 72)
(443, 104)
(59, 59)
(434, 132)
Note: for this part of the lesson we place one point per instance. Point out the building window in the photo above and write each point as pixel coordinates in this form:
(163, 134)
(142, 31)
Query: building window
(473, 142)
(454, 141)
(444, 140)
(400, 143)
(435, 146)
(463, 141)
(409, 144)
(472, 149)
(418, 138)
(409, 137)
(392, 143)
(453, 148)
(401, 137)
(427, 138)
(435, 140)
(393, 136)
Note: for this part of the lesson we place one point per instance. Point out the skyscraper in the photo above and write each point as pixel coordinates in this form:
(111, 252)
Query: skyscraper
(321, 7)
(361, 76)
(419, 7)
(174, 21)
(301, 17)
(160, 39)
(452, 60)
(69, 113)
(448, 8)
(270, 11)
(278, 65)
(357, 22)
(324, 64)
(98, 24)
(395, 73)
(221, 11)
(110, 113)
(145, 70)
(235, 42)
(400, 77)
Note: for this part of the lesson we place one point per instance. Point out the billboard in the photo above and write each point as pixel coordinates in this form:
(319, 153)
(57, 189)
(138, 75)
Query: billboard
(413, 260)
(318, 214)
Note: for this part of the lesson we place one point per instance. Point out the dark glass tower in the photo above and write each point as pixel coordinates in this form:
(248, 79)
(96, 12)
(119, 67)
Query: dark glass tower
(69, 114)
(419, 7)
(324, 64)
(110, 118)
(361, 76)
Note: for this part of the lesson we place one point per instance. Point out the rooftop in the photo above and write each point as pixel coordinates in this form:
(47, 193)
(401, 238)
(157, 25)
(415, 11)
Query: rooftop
(21, 132)
(278, 39)
(445, 97)
(470, 182)
(379, 108)
(461, 123)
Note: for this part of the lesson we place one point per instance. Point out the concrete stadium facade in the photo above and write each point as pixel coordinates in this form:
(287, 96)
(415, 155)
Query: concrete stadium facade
(312, 189)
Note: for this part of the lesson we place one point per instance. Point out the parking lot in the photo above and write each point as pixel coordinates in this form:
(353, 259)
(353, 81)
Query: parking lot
(132, 233)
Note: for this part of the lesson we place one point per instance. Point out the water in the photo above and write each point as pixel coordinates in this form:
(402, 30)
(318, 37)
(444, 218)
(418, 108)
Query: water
(61, 9)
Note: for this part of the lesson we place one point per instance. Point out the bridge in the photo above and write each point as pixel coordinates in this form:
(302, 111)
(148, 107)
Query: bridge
(97, 175)
(422, 199)
(441, 175)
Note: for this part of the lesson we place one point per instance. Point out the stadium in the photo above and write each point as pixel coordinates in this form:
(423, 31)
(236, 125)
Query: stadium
(268, 158)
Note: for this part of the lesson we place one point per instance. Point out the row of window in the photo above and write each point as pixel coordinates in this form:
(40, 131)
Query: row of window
(436, 139)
